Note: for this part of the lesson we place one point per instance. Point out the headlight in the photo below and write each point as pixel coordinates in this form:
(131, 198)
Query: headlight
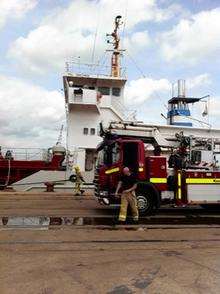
(106, 201)
(104, 193)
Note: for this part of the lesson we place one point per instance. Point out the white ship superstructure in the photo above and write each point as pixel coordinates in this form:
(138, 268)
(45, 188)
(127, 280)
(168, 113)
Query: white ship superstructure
(90, 100)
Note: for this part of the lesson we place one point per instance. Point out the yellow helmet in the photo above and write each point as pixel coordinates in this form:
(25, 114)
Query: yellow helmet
(76, 168)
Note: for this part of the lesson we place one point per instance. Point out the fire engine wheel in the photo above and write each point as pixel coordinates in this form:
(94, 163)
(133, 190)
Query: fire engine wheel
(144, 204)
(147, 197)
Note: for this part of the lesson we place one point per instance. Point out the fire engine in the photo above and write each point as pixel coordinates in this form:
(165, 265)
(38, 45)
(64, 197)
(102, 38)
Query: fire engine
(172, 163)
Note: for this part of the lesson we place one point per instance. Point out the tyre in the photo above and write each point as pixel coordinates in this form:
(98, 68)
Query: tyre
(147, 198)
(72, 178)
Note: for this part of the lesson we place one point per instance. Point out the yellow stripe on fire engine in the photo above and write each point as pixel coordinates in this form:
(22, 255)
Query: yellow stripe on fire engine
(203, 181)
(179, 191)
(158, 180)
(179, 179)
(111, 171)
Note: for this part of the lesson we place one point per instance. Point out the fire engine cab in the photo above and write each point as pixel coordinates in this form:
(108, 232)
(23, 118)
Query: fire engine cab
(172, 163)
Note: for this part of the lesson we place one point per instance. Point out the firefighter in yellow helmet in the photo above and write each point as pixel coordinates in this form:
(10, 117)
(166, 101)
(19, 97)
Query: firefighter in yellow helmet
(79, 181)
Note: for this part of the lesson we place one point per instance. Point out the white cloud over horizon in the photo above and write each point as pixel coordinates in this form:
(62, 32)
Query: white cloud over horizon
(14, 9)
(192, 39)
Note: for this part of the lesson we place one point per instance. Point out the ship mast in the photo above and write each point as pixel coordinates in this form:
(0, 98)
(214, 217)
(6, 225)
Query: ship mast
(115, 60)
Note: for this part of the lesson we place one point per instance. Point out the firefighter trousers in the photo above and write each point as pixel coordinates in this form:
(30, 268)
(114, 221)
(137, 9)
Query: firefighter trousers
(77, 188)
(128, 199)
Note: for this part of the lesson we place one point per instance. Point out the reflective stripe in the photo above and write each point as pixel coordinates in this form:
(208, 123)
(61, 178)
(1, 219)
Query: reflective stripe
(202, 181)
(179, 194)
(179, 191)
(179, 179)
(111, 171)
(122, 217)
(158, 180)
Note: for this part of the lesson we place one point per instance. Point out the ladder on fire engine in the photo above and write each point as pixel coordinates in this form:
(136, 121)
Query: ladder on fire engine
(162, 135)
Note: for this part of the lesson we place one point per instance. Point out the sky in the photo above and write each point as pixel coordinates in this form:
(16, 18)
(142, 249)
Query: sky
(165, 40)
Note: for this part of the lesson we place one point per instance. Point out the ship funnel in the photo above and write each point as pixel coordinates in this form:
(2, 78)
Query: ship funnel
(181, 88)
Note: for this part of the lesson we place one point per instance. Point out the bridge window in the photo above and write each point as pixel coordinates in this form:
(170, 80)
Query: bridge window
(116, 92)
(104, 90)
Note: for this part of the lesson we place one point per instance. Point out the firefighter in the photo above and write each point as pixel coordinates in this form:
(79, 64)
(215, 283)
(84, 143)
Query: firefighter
(128, 184)
(78, 182)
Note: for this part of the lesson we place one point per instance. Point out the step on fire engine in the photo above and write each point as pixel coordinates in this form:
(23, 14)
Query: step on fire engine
(172, 163)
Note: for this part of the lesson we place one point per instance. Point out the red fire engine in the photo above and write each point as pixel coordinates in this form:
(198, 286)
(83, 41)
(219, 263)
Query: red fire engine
(178, 164)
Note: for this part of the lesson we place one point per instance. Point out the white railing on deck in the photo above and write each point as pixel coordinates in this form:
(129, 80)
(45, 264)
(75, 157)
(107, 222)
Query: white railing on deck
(87, 69)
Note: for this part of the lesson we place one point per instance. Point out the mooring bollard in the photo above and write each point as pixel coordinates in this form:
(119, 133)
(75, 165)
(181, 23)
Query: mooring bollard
(49, 186)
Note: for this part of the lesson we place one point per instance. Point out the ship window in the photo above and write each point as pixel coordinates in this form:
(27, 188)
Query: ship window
(116, 92)
(77, 86)
(91, 88)
(104, 90)
(78, 92)
(85, 131)
(92, 131)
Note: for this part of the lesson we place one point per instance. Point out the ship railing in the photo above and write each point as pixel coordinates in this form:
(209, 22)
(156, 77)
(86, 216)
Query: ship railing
(93, 69)
(25, 153)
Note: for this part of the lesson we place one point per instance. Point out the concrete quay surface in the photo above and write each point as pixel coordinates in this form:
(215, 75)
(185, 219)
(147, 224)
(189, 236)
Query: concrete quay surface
(86, 260)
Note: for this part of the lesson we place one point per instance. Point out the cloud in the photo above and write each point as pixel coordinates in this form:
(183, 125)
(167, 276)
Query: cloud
(139, 91)
(69, 32)
(198, 81)
(137, 41)
(10, 9)
(194, 39)
(29, 115)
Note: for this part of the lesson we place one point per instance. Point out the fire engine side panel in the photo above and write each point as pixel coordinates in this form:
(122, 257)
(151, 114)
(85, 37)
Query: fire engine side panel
(156, 171)
(202, 186)
(203, 193)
